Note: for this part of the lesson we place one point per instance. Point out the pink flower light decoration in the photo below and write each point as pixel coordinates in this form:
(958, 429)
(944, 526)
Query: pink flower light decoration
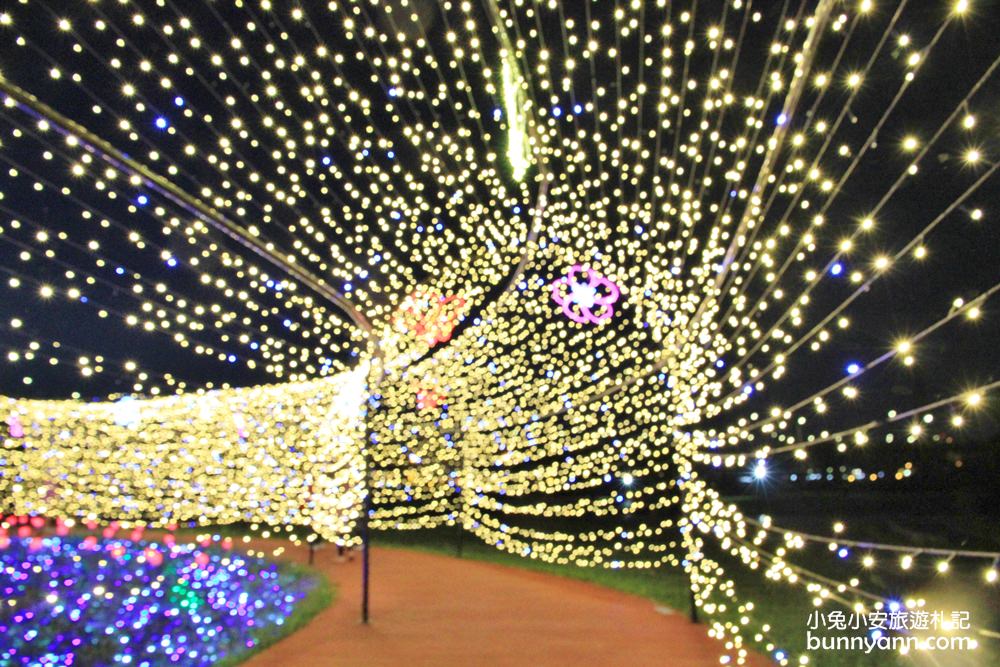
(15, 427)
(241, 426)
(585, 295)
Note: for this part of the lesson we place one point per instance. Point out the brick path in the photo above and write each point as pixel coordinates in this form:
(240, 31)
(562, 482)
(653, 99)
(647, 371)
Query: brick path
(430, 610)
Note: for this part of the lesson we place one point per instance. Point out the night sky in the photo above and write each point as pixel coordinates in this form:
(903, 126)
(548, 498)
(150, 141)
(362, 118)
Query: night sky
(964, 255)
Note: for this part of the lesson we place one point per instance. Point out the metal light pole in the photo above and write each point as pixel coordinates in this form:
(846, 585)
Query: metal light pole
(375, 375)
(460, 509)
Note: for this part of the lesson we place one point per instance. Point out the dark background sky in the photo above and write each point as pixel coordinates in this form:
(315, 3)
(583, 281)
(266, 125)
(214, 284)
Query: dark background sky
(964, 255)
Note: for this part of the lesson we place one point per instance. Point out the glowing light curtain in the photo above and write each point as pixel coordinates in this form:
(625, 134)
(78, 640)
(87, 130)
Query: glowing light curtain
(276, 454)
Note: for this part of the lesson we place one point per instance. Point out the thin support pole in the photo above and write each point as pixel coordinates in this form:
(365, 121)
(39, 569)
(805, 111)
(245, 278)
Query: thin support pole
(694, 605)
(365, 547)
(460, 509)
(375, 380)
(366, 507)
(461, 532)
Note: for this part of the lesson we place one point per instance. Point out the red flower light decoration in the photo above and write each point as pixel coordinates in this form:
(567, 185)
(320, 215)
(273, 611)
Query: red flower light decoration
(428, 399)
(585, 295)
(430, 316)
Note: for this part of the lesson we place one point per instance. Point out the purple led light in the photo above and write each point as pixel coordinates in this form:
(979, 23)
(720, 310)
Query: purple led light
(72, 594)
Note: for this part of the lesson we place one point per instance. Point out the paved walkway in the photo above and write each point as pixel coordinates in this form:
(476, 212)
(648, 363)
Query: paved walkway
(430, 610)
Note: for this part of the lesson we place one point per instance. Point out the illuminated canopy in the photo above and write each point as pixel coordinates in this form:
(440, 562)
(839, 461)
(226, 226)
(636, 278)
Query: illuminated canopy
(366, 209)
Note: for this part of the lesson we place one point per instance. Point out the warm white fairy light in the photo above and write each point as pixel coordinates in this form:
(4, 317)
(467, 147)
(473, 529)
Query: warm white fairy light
(517, 135)
(92, 459)
(394, 155)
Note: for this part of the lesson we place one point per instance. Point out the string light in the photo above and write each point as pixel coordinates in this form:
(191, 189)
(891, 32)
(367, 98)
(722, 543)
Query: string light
(278, 454)
(372, 222)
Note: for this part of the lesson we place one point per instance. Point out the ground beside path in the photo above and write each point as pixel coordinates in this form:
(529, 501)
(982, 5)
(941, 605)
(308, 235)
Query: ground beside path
(431, 610)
